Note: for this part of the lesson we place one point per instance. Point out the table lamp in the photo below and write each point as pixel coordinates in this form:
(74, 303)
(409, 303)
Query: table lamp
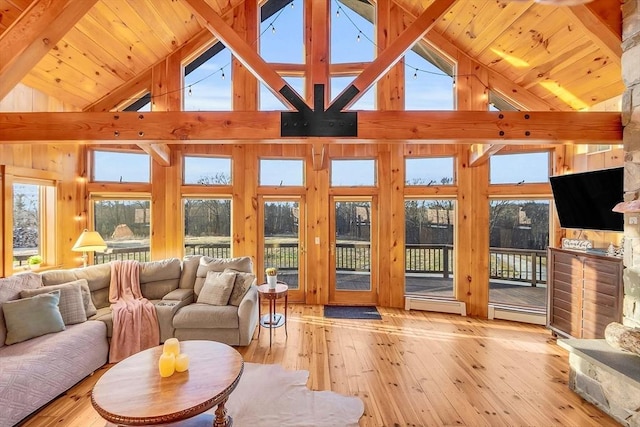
(89, 241)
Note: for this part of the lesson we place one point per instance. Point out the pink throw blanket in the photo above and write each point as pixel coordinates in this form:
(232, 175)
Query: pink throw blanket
(135, 322)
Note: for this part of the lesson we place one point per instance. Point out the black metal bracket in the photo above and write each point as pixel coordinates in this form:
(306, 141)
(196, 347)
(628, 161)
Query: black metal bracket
(318, 122)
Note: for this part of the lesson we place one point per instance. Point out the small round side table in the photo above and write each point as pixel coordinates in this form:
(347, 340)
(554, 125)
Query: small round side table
(273, 319)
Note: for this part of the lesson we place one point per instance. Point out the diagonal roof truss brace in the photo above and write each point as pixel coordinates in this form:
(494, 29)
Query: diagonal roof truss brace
(392, 54)
(245, 53)
(33, 34)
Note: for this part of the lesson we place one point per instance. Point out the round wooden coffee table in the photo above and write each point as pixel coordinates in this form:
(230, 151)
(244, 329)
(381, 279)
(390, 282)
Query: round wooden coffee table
(133, 393)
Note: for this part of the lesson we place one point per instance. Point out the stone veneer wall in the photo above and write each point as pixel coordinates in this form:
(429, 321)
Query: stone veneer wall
(631, 138)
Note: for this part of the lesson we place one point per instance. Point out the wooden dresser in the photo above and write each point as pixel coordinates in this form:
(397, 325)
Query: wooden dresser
(584, 293)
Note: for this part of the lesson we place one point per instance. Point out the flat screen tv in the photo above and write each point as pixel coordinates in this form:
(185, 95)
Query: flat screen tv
(584, 200)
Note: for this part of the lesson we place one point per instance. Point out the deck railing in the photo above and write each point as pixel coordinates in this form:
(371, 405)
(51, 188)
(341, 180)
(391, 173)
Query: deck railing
(520, 265)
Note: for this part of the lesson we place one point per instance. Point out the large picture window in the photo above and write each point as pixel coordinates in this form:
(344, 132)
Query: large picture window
(429, 227)
(207, 227)
(34, 218)
(124, 224)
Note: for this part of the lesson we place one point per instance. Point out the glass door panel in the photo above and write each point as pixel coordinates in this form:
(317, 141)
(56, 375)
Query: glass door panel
(429, 247)
(281, 247)
(519, 236)
(352, 249)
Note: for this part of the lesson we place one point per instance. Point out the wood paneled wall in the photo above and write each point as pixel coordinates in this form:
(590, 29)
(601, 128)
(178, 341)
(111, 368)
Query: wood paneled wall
(64, 162)
(472, 190)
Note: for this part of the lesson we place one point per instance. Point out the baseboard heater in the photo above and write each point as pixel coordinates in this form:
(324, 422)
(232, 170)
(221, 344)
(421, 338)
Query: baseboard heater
(516, 314)
(435, 304)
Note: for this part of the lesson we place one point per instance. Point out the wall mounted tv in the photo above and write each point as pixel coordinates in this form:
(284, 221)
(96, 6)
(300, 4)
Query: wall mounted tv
(584, 200)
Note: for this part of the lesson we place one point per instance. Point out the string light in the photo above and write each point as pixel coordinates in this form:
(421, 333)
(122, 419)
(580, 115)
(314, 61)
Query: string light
(221, 70)
(273, 30)
(415, 69)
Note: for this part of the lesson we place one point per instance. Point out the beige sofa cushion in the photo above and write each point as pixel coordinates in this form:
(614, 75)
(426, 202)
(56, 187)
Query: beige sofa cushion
(97, 277)
(189, 269)
(205, 316)
(206, 264)
(217, 288)
(105, 315)
(158, 278)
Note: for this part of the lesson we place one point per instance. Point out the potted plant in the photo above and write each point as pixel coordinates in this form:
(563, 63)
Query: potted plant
(34, 261)
(272, 277)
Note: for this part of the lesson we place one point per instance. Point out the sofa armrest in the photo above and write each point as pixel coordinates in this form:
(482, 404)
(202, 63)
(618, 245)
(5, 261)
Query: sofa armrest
(179, 295)
(248, 315)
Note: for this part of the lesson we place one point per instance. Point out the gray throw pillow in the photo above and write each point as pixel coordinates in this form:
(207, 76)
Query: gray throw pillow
(32, 317)
(71, 305)
(240, 287)
(89, 308)
(217, 288)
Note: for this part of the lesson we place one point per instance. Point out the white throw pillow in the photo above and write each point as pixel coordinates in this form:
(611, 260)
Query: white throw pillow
(217, 288)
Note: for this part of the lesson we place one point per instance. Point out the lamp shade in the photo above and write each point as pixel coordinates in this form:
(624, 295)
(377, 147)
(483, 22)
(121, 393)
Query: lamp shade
(89, 241)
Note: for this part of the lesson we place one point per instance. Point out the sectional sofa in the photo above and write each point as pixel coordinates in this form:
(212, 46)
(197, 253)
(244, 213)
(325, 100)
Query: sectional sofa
(36, 370)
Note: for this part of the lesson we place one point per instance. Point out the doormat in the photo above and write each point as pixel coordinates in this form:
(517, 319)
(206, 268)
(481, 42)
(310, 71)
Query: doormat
(352, 312)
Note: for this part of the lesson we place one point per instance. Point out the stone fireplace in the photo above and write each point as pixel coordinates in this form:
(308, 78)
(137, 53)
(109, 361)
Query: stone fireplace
(631, 138)
(607, 377)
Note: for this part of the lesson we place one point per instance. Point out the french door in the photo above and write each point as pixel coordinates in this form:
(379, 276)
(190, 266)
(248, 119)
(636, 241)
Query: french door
(353, 249)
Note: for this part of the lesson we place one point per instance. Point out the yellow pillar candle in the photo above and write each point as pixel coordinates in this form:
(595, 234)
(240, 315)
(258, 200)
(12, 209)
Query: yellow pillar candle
(182, 362)
(172, 345)
(167, 364)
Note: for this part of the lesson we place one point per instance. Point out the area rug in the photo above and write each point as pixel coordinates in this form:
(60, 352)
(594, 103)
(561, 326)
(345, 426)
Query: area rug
(352, 312)
(269, 395)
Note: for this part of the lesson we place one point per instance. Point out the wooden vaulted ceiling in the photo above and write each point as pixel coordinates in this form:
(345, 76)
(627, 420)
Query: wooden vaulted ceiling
(81, 51)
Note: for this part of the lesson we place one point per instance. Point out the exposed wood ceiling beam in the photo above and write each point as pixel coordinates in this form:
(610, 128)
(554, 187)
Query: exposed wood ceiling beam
(398, 47)
(160, 153)
(515, 127)
(601, 34)
(243, 51)
(33, 34)
(480, 153)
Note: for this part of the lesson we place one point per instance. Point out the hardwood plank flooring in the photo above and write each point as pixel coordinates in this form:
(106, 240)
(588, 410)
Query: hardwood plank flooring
(410, 368)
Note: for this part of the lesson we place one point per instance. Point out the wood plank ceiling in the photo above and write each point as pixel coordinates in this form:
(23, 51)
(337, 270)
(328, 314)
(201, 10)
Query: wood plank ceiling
(567, 56)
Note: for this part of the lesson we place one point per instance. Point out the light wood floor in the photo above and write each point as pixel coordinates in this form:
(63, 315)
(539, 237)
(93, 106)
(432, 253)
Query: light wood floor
(410, 369)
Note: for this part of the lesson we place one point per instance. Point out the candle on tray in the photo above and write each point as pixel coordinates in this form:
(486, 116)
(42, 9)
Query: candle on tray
(167, 364)
(182, 362)
(172, 345)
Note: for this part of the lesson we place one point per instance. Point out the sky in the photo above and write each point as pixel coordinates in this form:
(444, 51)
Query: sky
(208, 88)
